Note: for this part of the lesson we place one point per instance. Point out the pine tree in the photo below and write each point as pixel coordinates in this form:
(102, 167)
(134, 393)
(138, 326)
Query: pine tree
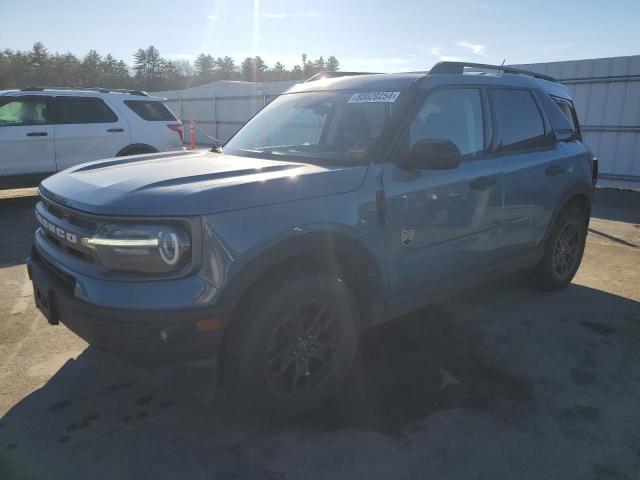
(205, 66)
(332, 65)
(37, 67)
(92, 69)
(226, 67)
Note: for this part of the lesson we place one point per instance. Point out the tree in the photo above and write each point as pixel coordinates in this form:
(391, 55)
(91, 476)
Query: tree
(205, 66)
(149, 67)
(332, 65)
(5, 67)
(278, 72)
(38, 67)
(140, 64)
(109, 68)
(226, 67)
(319, 65)
(253, 69)
(39, 60)
(92, 68)
(297, 72)
(307, 67)
(171, 76)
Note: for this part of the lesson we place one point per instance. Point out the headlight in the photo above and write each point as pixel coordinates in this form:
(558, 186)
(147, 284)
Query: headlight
(141, 248)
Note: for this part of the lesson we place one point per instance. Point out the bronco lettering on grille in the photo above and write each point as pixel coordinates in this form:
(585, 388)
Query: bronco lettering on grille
(55, 230)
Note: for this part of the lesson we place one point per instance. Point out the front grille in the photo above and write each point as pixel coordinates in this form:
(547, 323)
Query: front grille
(80, 255)
(64, 228)
(74, 218)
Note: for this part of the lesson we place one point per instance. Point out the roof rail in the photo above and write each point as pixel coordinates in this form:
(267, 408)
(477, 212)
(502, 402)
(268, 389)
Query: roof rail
(458, 68)
(321, 75)
(88, 89)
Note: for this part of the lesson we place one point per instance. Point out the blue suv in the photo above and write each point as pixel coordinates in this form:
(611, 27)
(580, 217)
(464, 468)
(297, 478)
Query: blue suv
(345, 202)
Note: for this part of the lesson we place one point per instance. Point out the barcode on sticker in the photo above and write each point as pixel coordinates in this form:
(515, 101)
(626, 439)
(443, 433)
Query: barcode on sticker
(374, 97)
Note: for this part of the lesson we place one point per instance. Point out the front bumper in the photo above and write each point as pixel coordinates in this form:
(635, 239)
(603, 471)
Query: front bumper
(146, 337)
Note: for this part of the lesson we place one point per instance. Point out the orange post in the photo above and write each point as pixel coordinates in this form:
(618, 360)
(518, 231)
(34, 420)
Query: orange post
(192, 134)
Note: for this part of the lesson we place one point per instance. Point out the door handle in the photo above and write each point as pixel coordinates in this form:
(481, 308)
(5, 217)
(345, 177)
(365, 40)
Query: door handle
(482, 183)
(37, 134)
(115, 130)
(554, 169)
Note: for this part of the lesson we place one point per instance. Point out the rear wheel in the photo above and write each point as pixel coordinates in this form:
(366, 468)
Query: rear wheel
(563, 251)
(136, 151)
(293, 344)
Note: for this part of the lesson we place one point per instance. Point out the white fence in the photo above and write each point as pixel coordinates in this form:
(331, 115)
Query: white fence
(220, 108)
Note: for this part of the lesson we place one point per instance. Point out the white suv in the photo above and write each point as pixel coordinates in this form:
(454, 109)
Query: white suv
(43, 131)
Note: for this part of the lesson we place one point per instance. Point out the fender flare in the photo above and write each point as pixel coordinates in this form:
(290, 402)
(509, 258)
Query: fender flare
(321, 246)
(580, 187)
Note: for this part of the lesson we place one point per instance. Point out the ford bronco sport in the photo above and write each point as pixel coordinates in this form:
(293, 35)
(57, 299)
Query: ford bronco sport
(345, 202)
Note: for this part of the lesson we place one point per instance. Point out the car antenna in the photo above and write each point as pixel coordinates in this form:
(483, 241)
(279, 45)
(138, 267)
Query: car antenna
(501, 65)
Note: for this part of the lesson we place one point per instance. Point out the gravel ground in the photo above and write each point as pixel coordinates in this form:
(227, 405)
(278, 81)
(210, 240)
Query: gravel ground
(498, 383)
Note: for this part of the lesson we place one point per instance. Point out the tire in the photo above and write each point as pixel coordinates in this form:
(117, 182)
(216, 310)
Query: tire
(563, 251)
(273, 354)
(135, 151)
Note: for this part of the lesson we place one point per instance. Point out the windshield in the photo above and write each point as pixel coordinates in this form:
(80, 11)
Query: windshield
(316, 126)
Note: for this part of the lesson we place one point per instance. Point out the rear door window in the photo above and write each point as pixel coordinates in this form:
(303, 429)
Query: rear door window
(21, 111)
(77, 110)
(151, 111)
(518, 120)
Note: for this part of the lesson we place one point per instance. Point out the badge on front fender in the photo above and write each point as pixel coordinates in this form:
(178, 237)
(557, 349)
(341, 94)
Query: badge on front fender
(407, 237)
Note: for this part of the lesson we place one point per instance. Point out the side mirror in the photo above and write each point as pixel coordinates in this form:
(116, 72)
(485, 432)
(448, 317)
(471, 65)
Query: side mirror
(433, 154)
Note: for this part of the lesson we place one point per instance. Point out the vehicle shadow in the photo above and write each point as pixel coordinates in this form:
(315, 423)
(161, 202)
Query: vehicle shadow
(17, 226)
(99, 418)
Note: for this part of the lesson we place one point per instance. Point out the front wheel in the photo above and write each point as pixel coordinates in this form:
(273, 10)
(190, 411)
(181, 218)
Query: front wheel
(563, 251)
(294, 343)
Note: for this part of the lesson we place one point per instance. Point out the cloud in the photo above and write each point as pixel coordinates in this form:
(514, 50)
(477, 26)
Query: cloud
(213, 18)
(476, 48)
(438, 52)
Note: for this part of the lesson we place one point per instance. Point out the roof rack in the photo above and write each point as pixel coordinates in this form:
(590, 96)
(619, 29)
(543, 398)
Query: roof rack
(88, 89)
(321, 75)
(458, 68)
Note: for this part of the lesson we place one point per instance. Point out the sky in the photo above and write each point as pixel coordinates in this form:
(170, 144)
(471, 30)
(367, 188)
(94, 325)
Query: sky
(373, 35)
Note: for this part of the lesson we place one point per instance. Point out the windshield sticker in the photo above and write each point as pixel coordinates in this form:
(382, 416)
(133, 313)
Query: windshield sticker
(374, 97)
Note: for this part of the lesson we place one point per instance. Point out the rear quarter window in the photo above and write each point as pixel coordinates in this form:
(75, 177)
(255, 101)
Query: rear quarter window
(152, 111)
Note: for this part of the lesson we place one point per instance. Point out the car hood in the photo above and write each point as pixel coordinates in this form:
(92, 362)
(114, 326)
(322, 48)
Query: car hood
(192, 183)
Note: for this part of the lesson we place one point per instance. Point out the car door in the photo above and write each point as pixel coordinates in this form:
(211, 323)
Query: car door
(442, 224)
(87, 129)
(534, 171)
(26, 136)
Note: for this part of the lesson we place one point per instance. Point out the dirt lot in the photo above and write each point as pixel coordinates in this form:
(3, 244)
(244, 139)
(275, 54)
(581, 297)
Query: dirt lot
(499, 383)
